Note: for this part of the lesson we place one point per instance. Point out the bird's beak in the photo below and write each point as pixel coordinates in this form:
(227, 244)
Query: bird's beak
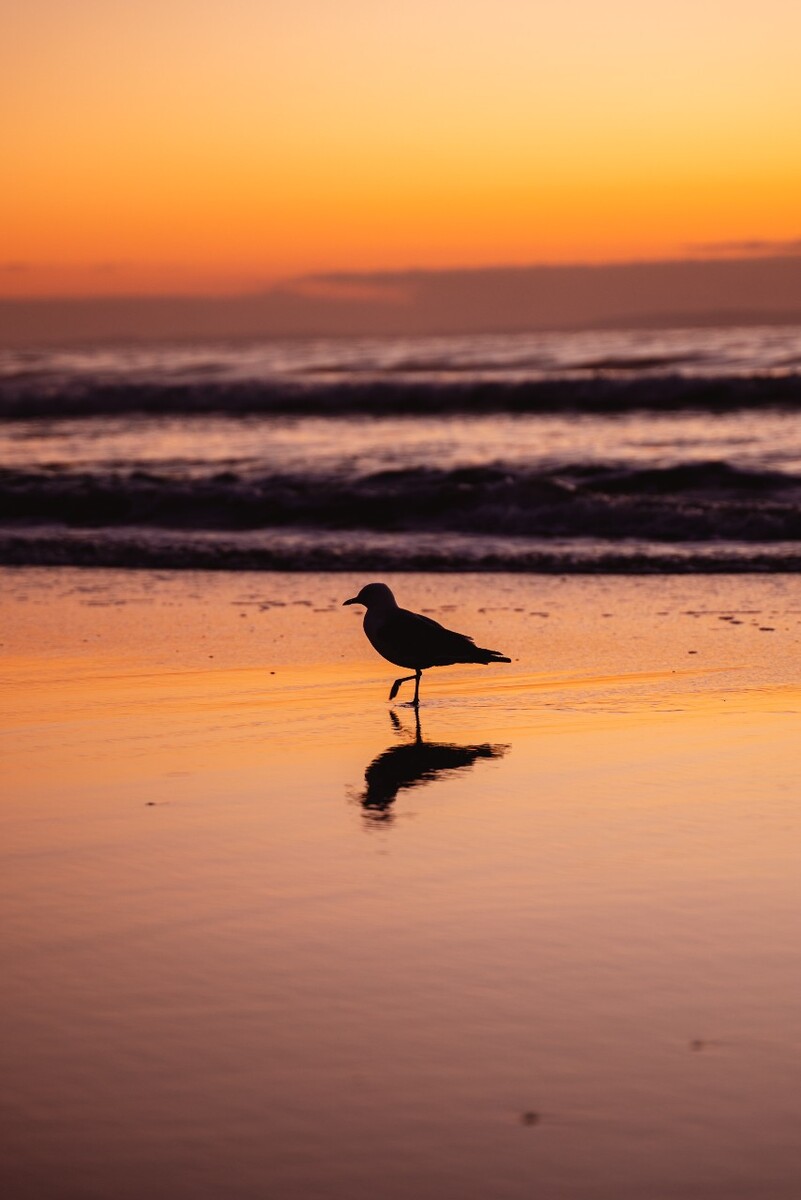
(353, 600)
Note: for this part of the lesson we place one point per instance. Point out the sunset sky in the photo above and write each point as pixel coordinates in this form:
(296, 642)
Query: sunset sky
(220, 145)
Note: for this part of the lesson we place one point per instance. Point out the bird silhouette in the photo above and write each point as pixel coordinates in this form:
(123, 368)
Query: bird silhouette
(411, 640)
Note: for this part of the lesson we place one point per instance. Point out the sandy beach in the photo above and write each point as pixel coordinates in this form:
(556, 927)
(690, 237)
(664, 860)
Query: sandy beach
(263, 939)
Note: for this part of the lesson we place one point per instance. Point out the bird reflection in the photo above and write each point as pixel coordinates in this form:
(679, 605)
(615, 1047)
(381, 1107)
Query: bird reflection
(411, 764)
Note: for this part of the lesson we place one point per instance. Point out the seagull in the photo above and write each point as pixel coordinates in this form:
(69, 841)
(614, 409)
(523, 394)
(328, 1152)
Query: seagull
(409, 639)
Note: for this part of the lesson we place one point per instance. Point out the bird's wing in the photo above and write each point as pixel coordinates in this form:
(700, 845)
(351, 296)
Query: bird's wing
(426, 643)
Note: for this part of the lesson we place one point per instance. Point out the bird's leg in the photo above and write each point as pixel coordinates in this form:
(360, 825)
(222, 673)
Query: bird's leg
(396, 685)
(417, 677)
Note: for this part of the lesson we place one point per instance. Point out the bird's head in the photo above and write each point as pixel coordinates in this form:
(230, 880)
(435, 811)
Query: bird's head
(374, 595)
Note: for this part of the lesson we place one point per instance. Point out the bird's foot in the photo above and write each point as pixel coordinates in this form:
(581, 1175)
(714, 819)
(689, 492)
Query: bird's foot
(396, 685)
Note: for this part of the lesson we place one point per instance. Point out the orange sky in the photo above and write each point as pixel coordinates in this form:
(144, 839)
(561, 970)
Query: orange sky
(203, 145)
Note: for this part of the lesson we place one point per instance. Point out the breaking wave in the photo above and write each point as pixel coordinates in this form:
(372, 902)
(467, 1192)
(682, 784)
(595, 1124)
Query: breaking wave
(705, 502)
(363, 550)
(607, 388)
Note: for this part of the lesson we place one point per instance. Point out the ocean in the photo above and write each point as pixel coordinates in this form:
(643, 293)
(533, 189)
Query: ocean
(674, 450)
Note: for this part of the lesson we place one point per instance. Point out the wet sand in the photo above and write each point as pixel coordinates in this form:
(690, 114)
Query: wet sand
(262, 939)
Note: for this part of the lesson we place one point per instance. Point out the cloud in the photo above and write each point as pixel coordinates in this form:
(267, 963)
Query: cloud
(18, 266)
(748, 246)
(348, 288)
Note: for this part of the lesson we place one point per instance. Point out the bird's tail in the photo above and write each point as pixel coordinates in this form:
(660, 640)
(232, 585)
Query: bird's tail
(489, 656)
